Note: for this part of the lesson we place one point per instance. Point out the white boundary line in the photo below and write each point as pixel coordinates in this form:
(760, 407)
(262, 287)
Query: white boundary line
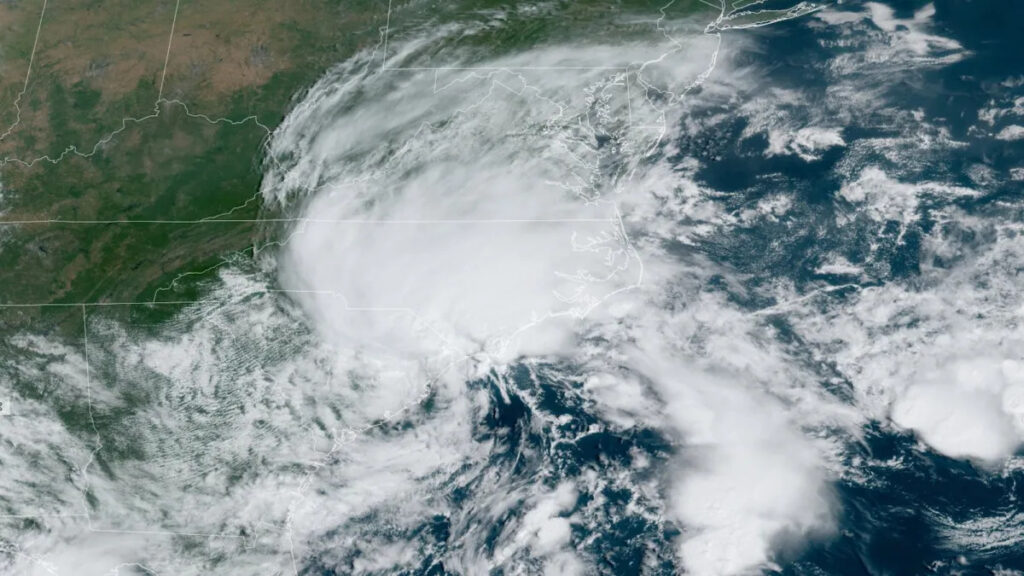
(214, 220)
(167, 56)
(28, 76)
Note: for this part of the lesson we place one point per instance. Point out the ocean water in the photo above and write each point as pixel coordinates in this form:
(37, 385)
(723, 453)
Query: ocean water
(834, 164)
(702, 294)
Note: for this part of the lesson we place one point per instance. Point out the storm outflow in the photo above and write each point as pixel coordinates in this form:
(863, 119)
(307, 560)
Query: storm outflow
(459, 211)
(510, 210)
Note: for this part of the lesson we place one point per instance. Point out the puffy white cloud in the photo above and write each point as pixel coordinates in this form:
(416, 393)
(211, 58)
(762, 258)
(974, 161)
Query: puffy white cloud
(963, 412)
(1012, 132)
(808, 142)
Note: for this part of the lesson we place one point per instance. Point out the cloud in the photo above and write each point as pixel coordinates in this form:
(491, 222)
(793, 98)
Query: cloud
(889, 42)
(471, 176)
(1010, 133)
(887, 199)
(807, 143)
(939, 357)
(547, 532)
(967, 412)
(735, 433)
(477, 216)
(456, 222)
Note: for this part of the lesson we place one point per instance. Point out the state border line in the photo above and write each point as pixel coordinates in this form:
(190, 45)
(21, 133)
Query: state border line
(412, 222)
(28, 77)
(167, 55)
(111, 304)
(346, 434)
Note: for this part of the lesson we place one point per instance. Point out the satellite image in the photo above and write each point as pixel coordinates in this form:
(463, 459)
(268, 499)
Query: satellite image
(502, 287)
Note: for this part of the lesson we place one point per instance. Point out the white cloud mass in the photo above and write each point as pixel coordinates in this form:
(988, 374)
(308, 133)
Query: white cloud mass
(531, 211)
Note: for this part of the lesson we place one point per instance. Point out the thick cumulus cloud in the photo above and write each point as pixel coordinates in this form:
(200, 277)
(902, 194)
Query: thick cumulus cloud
(971, 410)
(734, 432)
(478, 206)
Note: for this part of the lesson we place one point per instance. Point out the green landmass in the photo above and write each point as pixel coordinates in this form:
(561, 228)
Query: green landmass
(142, 155)
(98, 64)
(93, 141)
